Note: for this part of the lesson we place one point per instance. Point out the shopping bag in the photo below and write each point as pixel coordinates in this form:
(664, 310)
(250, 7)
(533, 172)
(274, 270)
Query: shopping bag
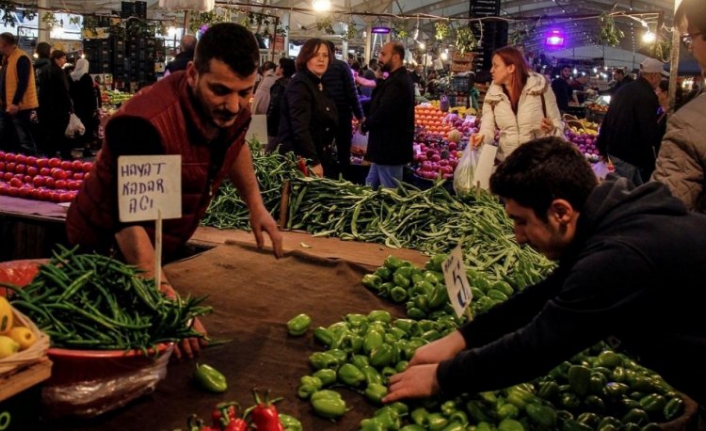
(485, 166)
(602, 169)
(465, 171)
(75, 126)
(359, 143)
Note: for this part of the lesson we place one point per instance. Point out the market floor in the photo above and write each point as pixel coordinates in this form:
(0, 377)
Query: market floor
(253, 296)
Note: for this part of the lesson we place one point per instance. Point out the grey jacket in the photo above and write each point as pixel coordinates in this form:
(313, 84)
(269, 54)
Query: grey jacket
(681, 163)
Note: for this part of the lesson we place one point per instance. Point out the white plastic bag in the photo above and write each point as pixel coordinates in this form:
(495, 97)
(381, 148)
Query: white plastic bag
(465, 171)
(75, 126)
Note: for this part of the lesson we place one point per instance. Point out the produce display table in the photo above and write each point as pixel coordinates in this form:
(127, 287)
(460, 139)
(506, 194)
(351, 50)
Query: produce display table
(32, 209)
(30, 228)
(253, 296)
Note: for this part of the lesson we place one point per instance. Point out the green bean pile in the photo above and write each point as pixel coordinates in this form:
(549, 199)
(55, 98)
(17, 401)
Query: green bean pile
(431, 221)
(228, 211)
(89, 301)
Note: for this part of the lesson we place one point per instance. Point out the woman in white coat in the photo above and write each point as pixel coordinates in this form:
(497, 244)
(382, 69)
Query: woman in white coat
(519, 103)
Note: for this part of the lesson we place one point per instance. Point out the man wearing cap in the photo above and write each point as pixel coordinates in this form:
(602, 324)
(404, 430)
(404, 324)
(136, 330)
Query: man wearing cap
(629, 133)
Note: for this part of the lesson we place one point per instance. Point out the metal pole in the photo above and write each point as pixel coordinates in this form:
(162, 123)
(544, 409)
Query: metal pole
(368, 41)
(674, 70)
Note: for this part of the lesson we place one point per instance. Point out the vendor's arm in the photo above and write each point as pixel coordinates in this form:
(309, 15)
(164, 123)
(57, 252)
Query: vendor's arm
(242, 174)
(592, 302)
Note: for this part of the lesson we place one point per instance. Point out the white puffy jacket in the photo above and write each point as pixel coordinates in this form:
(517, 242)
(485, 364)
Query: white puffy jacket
(515, 130)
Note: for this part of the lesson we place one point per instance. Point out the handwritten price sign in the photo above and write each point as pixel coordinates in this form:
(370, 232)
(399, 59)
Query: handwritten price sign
(456, 281)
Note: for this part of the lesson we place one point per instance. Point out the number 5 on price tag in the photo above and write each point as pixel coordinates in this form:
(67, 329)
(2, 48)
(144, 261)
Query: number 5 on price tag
(457, 283)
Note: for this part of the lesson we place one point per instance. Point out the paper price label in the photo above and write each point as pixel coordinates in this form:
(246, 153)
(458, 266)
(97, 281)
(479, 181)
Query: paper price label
(457, 282)
(148, 184)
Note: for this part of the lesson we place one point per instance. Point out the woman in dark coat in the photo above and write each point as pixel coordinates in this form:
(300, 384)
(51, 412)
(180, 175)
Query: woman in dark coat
(309, 118)
(83, 94)
(60, 106)
(285, 71)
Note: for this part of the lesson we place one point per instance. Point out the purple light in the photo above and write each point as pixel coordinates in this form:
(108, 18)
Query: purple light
(380, 30)
(555, 38)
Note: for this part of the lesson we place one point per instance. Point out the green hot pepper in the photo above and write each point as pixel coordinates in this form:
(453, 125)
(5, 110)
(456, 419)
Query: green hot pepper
(323, 336)
(210, 378)
(372, 341)
(398, 294)
(298, 325)
(380, 316)
(542, 415)
(384, 273)
(381, 356)
(290, 423)
(371, 375)
(372, 281)
(393, 263)
(327, 376)
(320, 360)
(579, 378)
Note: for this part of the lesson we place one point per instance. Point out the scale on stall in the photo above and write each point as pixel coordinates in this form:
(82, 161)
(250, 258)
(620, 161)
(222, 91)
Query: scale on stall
(149, 188)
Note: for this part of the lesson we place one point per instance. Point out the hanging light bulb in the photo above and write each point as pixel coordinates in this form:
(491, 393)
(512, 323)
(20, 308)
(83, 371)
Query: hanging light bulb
(444, 56)
(649, 37)
(321, 5)
(422, 46)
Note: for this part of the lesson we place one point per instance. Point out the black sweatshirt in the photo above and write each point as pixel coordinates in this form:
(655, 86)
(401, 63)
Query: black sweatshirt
(635, 271)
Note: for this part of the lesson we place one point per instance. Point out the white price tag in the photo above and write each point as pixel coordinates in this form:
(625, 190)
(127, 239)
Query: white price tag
(148, 185)
(457, 282)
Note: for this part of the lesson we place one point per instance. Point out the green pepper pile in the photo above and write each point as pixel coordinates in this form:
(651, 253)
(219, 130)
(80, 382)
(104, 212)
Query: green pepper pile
(89, 301)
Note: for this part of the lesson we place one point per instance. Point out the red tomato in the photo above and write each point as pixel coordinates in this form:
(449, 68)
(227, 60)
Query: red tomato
(16, 182)
(39, 181)
(2, 155)
(77, 165)
(3, 188)
(65, 165)
(60, 184)
(10, 167)
(45, 171)
(66, 197)
(55, 196)
(54, 162)
(36, 194)
(12, 191)
(59, 174)
(20, 168)
(69, 173)
(27, 179)
(8, 176)
(25, 191)
(32, 161)
(78, 176)
(10, 157)
(44, 194)
(49, 182)
(21, 158)
(85, 177)
(42, 162)
(32, 170)
(2, 166)
(87, 166)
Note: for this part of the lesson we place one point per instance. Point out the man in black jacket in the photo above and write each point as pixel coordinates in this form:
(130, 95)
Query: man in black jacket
(391, 121)
(340, 87)
(186, 54)
(562, 89)
(631, 266)
(629, 133)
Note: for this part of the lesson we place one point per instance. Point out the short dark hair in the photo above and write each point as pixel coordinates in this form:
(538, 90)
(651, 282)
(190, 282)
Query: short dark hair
(355, 66)
(268, 65)
(230, 43)
(664, 85)
(398, 48)
(8, 38)
(288, 66)
(308, 52)
(620, 71)
(57, 54)
(43, 50)
(543, 170)
(691, 13)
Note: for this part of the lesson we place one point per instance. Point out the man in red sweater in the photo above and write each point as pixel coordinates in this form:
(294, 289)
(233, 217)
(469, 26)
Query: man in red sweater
(201, 114)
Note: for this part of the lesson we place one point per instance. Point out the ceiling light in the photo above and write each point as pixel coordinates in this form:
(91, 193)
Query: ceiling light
(422, 45)
(381, 29)
(444, 56)
(649, 37)
(321, 5)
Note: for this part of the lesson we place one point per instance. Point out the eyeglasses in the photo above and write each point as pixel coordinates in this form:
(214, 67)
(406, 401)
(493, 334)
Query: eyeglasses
(688, 39)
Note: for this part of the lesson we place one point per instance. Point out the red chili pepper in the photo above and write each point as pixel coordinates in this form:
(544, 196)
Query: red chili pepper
(301, 165)
(195, 424)
(236, 425)
(265, 414)
(224, 410)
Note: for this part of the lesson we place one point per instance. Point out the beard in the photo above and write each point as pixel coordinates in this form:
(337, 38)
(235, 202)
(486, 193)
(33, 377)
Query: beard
(386, 67)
